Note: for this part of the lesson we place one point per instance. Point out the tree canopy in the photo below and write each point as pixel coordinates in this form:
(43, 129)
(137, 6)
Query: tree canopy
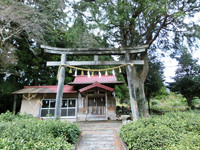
(155, 79)
(187, 79)
(31, 21)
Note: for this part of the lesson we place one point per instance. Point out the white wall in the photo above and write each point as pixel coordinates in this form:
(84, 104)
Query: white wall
(30, 107)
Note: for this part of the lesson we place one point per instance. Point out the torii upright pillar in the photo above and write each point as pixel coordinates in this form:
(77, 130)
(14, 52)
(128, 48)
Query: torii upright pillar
(132, 94)
(59, 95)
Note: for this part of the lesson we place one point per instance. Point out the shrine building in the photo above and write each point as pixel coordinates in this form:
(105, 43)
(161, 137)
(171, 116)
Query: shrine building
(84, 99)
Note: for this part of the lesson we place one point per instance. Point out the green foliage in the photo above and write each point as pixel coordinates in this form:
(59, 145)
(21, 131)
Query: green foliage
(155, 78)
(187, 79)
(121, 91)
(196, 102)
(168, 102)
(179, 130)
(123, 110)
(26, 132)
(162, 93)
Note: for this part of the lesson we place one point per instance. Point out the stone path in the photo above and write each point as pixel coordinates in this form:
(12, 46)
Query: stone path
(100, 135)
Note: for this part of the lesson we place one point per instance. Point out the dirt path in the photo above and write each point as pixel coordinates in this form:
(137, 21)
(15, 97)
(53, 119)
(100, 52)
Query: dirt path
(102, 135)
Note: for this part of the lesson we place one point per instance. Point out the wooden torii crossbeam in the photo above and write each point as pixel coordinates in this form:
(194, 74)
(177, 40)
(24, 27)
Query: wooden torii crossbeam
(95, 51)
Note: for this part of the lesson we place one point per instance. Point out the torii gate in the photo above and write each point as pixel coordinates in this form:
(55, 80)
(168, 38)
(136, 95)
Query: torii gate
(95, 51)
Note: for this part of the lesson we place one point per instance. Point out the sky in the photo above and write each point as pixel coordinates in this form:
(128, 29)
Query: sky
(171, 64)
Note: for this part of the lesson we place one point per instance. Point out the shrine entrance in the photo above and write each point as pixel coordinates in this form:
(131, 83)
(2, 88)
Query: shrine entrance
(96, 105)
(96, 109)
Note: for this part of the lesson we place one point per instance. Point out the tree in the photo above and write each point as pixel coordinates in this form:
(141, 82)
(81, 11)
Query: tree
(155, 79)
(17, 21)
(187, 79)
(127, 23)
(32, 21)
(24, 25)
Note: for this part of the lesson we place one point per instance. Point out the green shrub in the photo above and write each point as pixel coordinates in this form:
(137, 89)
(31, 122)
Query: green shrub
(196, 102)
(8, 116)
(26, 132)
(154, 102)
(170, 131)
(170, 102)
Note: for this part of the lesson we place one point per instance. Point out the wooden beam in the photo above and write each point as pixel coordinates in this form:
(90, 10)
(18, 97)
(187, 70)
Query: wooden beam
(93, 49)
(93, 63)
(132, 94)
(93, 52)
(59, 94)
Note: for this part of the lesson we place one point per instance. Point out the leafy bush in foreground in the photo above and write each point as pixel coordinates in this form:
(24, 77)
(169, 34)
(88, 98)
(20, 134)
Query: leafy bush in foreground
(26, 132)
(172, 131)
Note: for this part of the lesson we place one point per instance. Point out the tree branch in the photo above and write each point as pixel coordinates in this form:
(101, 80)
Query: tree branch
(8, 37)
(158, 31)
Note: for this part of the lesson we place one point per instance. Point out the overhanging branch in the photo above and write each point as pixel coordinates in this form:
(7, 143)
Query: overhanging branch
(159, 29)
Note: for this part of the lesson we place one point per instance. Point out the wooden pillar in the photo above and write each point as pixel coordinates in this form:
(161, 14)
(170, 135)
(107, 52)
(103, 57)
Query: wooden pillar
(132, 94)
(59, 94)
(106, 98)
(14, 104)
(86, 98)
(79, 104)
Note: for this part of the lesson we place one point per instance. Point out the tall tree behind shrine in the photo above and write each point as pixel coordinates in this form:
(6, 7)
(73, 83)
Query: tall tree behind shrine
(24, 25)
(161, 24)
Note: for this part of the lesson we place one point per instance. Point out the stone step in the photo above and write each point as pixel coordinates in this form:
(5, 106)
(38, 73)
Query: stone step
(96, 147)
(99, 136)
(97, 143)
(111, 138)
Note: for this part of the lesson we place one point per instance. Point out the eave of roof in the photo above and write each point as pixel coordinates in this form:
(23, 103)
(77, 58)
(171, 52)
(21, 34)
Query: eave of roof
(94, 85)
(44, 89)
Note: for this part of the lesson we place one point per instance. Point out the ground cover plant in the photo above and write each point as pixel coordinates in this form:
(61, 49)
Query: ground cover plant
(168, 103)
(27, 132)
(172, 131)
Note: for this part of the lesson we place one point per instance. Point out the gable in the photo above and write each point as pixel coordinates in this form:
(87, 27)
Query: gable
(94, 85)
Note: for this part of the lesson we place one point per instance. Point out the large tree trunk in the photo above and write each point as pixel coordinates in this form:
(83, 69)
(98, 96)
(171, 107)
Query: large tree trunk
(139, 78)
(149, 105)
(189, 102)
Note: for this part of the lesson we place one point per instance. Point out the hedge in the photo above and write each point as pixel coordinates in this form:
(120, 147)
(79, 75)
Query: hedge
(26, 132)
(172, 131)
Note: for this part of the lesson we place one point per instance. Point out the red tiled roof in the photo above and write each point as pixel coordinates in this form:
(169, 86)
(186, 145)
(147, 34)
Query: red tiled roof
(103, 79)
(45, 89)
(96, 84)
